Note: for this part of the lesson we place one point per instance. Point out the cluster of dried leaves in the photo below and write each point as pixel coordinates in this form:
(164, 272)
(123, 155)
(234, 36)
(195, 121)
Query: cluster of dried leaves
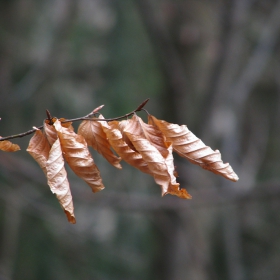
(146, 146)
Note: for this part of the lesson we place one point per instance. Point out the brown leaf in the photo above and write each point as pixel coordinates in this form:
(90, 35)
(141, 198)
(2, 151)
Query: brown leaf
(123, 150)
(96, 138)
(162, 168)
(39, 149)
(121, 126)
(8, 146)
(58, 182)
(50, 131)
(136, 126)
(187, 145)
(78, 157)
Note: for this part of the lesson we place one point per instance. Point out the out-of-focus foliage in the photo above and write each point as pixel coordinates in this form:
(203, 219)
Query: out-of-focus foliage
(213, 65)
(8, 146)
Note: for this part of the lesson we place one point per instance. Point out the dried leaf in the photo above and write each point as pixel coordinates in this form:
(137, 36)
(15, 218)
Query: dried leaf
(96, 138)
(39, 149)
(121, 126)
(50, 130)
(162, 168)
(78, 157)
(123, 150)
(187, 145)
(8, 146)
(58, 182)
(136, 126)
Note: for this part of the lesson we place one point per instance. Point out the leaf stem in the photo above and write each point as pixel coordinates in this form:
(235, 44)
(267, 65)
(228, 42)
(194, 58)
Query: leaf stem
(87, 117)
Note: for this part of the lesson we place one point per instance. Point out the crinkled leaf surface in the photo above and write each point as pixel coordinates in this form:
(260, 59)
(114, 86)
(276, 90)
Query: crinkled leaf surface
(39, 149)
(96, 138)
(123, 150)
(50, 131)
(136, 126)
(187, 145)
(162, 168)
(58, 182)
(121, 126)
(8, 146)
(78, 157)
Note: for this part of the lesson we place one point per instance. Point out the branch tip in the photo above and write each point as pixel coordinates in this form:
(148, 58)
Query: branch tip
(97, 109)
(87, 117)
(139, 108)
(48, 115)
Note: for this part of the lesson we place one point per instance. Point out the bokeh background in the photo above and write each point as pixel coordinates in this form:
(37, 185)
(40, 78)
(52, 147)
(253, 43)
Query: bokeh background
(212, 65)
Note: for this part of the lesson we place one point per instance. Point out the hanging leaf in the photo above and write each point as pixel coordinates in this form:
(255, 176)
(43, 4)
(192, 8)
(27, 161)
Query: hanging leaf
(50, 131)
(96, 138)
(136, 126)
(123, 150)
(174, 189)
(121, 126)
(78, 157)
(58, 182)
(39, 149)
(8, 146)
(187, 145)
(162, 169)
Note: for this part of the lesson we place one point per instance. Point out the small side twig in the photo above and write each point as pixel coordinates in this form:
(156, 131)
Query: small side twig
(87, 117)
(139, 108)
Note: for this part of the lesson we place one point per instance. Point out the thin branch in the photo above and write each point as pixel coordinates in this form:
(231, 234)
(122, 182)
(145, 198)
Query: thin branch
(21, 134)
(87, 117)
(139, 108)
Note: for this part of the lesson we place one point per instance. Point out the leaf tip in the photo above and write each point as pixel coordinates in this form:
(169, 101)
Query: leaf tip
(71, 218)
(176, 190)
(233, 177)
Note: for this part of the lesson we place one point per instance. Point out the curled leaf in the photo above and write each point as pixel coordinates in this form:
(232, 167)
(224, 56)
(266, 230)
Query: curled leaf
(187, 145)
(96, 138)
(58, 182)
(39, 149)
(136, 126)
(78, 157)
(50, 131)
(123, 150)
(8, 146)
(121, 126)
(161, 168)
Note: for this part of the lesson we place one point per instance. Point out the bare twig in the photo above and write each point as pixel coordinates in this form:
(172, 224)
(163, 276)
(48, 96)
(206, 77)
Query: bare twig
(139, 108)
(87, 117)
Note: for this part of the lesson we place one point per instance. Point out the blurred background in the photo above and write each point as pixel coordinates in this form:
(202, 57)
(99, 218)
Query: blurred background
(212, 65)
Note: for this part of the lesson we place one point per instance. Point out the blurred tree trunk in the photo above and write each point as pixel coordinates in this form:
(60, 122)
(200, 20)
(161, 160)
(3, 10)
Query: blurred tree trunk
(176, 257)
